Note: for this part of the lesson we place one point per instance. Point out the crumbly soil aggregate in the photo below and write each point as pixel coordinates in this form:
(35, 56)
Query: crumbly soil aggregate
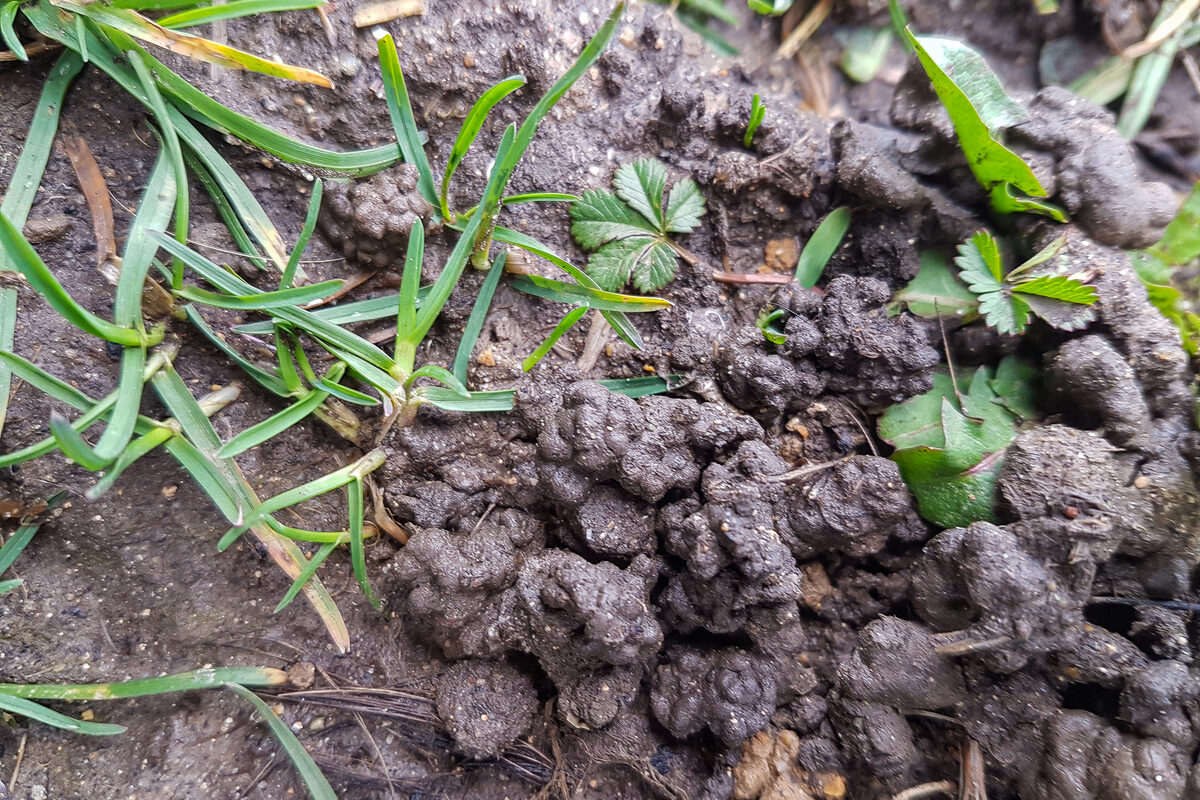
(721, 592)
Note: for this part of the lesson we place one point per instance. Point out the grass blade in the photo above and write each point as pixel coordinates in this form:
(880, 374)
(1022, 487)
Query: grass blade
(478, 402)
(483, 302)
(310, 569)
(318, 787)
(408, 135)
(273, 425)
(560, 329)
(442, 376)
(23, 535)
(134, 24)
(306, 232)
(358, 557)
(268, 380)
(471, 126)
(640, 387)
(23, 186)
(208, 678)
(228, 216)
(617, 319)
(1149, 76)
(406, 309)
(574, 294)
(39, 713)
(139, 447)
(234, 10)
(282, 298)
(343, 313)
(8, 13)
(821, 246)
(540, 197)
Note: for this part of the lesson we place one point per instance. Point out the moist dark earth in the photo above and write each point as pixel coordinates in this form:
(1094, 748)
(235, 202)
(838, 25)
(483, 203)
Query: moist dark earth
(721, 592)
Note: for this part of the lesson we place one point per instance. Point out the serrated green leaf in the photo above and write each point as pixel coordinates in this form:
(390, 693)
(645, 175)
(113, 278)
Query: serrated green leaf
(1054, 287)
(936, 291)
(641, 185)
(1005, 313)
(612, 265)
(600, 217)
(685, 207)
(1063, 316)
(1180, 242)
(979, 263)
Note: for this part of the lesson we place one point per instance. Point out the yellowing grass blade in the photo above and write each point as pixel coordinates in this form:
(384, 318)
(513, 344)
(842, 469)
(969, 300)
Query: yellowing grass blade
(134, 24)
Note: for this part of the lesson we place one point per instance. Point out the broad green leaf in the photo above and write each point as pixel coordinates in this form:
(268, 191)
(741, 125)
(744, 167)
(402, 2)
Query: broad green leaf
(1007, 200)
(1004, 312)
(1180, 242)
(821, 246)
(979, 110)
(648, 262)
(1064, 316)
(1015, 385)
(949, 456)
(936, 291)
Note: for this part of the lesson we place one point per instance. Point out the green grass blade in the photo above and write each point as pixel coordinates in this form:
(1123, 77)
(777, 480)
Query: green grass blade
(208, 678)
(24, 534)
(225, 210)
(268, 380)
(591, 52)
(560, 329)
(442, 376)
(10, 585)
(23, 186)
(821, 246)
(273, 425)
(318, 787)
(471, 126)
(540, 197)
(358, 558)
(208, 476)
(1105, 83)
(8, 13)
(287, 365)
(121, 423)
(343, 314)
(39, 713)
(640, 387)
(306, 232)
(406, 308)
(478, 402)
(617, 319)
(139, 447)
(281, 298)
(234, 10)
(1149, 76)
(170, 139)
(310, 569)
(483, 302)
(463, 248)
(575, 294)
(345, 393)
(408, 135)
(46, 383)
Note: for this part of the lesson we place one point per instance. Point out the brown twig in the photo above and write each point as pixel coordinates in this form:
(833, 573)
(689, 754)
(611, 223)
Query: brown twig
(749, 278)
(804, 31)
(593, 346)
(95, 192)
(34, 49)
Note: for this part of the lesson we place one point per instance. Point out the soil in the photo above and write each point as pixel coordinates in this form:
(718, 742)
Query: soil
(721, 592)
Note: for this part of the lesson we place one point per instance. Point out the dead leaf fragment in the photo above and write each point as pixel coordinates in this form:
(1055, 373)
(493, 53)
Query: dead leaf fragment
(379, 13)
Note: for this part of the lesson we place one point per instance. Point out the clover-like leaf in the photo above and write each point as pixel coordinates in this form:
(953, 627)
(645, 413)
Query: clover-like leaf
(627, 231)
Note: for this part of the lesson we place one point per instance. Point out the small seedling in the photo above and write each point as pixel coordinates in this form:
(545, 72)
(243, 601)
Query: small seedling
(950, 446)
(629, 232)
(758, 110)
(1006, 300)
(814, 258)
(980, 111)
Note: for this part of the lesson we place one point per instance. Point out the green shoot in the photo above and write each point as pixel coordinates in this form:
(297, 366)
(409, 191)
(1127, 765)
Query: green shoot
(470, 129)
(314, 780)
(821, 246)
(758, 110)
(408, 135)
(628, 232)
(306, 232)
(483, 302)
(19, 540)
(1006, 301)
(640, 387)
(936, 292)
(771, 324)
